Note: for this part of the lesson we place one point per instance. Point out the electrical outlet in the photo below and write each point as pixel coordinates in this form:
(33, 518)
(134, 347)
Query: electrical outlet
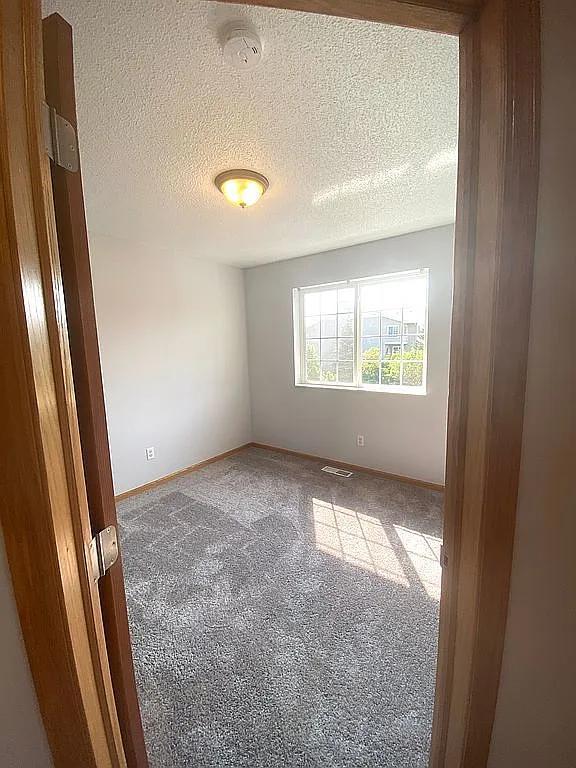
(360, 441)
(150, 453)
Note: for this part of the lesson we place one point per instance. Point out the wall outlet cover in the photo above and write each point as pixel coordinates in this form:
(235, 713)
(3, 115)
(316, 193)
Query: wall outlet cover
(360, 441)
(150, 453)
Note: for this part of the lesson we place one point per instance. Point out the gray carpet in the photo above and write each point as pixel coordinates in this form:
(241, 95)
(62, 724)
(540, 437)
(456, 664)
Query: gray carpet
(281, 616)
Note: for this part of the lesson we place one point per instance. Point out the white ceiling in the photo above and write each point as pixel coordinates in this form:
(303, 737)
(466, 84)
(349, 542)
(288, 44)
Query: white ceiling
(353, 123)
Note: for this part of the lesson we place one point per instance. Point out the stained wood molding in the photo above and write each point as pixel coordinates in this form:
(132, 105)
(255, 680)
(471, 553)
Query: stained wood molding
(179, 473)
(449, 16)
(44, 509)
(509, 41)
(464, 249)
(495, 236)
(82, 332)
(352, 467)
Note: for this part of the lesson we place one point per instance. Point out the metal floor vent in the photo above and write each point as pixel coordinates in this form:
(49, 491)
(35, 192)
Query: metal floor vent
(336, 471)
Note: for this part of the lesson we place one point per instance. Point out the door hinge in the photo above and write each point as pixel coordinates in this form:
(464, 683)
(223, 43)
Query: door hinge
(60, 139)
(103, 551)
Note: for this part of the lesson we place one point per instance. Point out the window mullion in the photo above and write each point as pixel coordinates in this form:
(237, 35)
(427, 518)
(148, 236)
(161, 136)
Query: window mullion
(357, 337)
(303, 366)
(402, 347)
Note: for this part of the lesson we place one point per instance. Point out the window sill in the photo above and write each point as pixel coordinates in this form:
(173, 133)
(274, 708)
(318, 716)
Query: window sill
(418, 391)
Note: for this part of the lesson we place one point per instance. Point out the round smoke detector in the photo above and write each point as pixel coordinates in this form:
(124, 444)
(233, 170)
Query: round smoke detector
(242, 48)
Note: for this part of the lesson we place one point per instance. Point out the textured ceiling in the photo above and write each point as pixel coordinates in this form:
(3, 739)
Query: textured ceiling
(354, 124)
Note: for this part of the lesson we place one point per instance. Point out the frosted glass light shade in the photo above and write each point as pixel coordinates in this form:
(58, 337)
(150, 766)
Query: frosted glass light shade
(240, 187)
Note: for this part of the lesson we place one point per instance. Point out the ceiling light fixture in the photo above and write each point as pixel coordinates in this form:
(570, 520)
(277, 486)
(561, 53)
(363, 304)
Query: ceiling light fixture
(241, 187)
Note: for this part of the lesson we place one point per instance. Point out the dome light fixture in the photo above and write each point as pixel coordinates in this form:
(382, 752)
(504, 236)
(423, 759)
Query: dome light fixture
(241, 187)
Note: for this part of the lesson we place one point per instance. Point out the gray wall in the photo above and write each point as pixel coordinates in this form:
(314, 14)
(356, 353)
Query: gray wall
(22, 739)
(536, 714)
(172, 334)
(173, 345)
(404, 434)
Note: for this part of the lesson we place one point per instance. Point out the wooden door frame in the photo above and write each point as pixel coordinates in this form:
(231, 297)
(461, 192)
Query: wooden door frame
(44, 510)
(76, 272)
(44, 515)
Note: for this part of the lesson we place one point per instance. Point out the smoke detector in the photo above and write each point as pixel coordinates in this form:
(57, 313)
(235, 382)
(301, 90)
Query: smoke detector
(242, 47)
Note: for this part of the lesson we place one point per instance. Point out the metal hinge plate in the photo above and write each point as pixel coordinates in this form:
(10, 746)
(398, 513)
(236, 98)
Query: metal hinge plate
(60, 139)
(103, 551)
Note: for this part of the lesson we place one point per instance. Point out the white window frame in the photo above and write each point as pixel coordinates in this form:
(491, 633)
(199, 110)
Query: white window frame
(298, 295)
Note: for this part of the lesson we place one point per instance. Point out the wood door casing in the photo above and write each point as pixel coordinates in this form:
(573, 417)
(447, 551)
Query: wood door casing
(44, 515)
(448, 16)
(500, 257)
(85, 355)
(44, 510)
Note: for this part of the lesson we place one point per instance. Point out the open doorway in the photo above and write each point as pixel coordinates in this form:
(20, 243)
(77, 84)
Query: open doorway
(47, 522)
(275, 588)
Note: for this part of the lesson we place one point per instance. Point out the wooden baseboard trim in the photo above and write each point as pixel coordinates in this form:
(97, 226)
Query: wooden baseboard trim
(179, 473)
(352, 467)
(289, 452)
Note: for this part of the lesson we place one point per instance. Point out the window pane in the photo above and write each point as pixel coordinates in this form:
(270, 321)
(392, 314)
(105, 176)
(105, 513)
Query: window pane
(372, 297)
(371, 348)
(391, 321)
(329, 372)
(329, 349)
(313, 370)
(390, 350)
(412, 374)
(392, 325)
(328, 302)
(406, 291)
(312, 325)
(328, 325)
(345, 373)
(313, 349)
(390, 329)
(370, 372)
(413, 348)
(345, 325)
(391, 372)
(346, 349)
(371, 325)
(311, 304)
(414, 319)
(346, 300)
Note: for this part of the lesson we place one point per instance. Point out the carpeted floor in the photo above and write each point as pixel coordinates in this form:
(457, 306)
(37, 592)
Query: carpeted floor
(282, 616)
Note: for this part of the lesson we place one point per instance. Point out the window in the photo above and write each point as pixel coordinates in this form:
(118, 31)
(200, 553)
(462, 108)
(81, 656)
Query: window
(366, 334)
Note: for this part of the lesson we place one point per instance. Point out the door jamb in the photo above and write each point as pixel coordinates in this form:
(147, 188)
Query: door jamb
(44, 511)
(45, 518)
(68, 195)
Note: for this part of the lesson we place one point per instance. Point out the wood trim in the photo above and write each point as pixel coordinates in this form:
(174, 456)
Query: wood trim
(464, 252)
(179, 473)
(351, 467)
(81, 317)
(44, 511)
(508, 35)
(449, 16)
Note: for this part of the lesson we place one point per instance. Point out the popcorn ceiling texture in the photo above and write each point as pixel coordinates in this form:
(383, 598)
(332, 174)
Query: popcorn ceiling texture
(354, 124)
